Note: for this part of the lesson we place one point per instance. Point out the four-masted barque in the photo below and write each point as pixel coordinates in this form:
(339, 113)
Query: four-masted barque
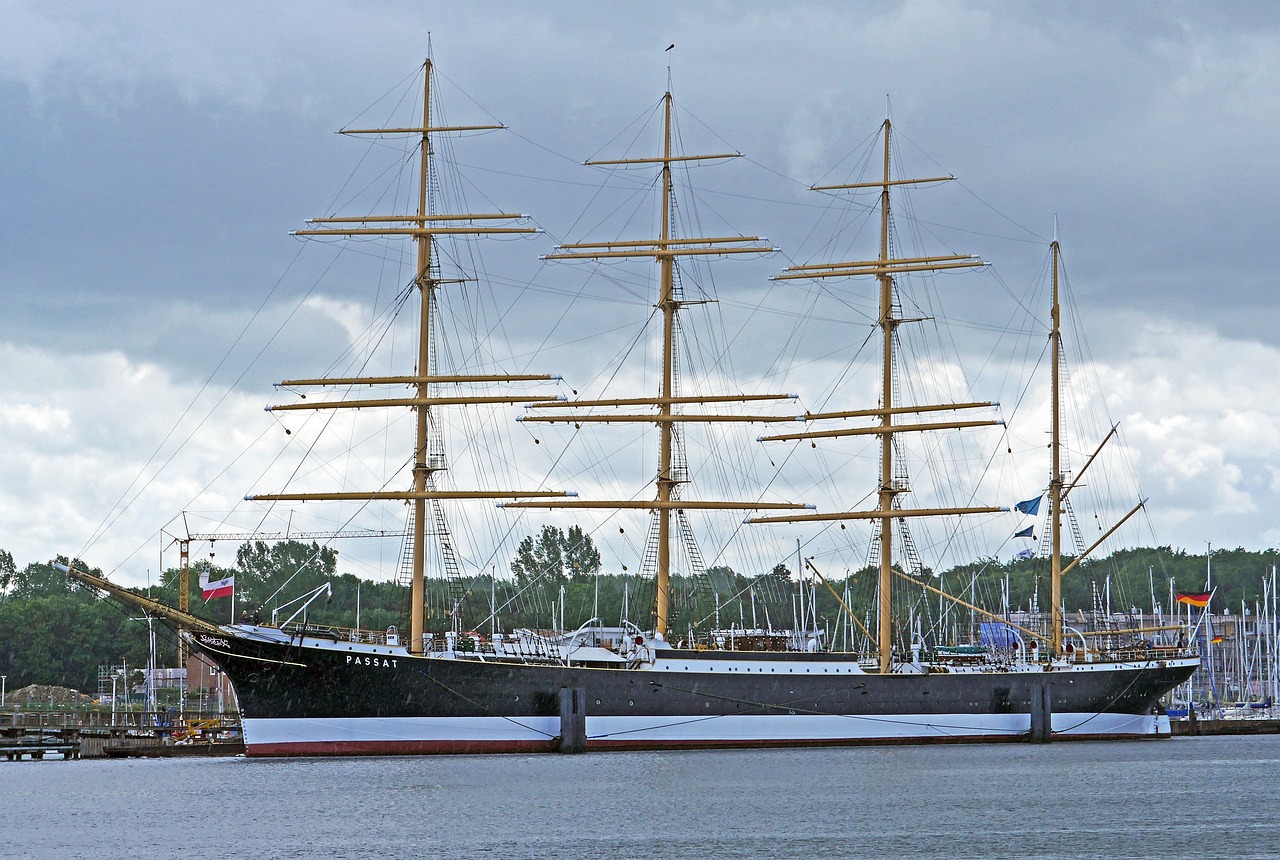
(306, 693)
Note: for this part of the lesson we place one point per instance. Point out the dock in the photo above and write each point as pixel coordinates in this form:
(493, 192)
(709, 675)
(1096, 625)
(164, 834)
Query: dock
(174, 750)
(1199, 727)
(93, 734)
(18, 742)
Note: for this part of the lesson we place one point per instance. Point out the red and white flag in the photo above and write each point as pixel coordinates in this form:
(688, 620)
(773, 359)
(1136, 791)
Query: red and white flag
(217, 588)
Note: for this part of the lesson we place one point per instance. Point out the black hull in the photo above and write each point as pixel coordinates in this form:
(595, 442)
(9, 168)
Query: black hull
(316, 697)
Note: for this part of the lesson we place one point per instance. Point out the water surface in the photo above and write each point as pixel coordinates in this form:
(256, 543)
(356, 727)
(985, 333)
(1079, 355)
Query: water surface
(1185, 797)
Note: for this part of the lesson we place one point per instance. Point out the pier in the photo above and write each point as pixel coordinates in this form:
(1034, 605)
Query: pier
(75, 734)
(18, 742)
(1198, 727)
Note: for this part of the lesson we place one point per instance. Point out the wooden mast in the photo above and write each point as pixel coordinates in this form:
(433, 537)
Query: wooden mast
(664, 250)
(1055, 469)
(422, 474)
(422, 227)
(1059, 489)
(883, 268)
(666, 429)
(887, 490)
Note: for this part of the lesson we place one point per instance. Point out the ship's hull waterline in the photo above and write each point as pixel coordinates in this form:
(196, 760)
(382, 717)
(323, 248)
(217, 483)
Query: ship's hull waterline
(305, 696)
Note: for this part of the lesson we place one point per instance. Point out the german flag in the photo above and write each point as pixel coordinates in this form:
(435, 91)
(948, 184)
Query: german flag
(1215, 640)
(1195, 598)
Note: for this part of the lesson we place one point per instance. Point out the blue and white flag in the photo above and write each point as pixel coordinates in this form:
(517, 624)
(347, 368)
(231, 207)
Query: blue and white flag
(1030, 507)
(1024, 553)
(1028, 532)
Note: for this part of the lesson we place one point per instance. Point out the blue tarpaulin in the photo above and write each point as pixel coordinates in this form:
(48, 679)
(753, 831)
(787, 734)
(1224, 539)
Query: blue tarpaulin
(997, 634)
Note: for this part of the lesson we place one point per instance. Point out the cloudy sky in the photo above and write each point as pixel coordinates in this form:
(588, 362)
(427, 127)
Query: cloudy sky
(156, 155)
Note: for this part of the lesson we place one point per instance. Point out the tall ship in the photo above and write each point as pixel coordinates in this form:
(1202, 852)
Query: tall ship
(665, 680)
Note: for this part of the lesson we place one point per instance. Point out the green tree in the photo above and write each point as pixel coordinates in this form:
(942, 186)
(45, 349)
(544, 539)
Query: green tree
(8, 571)
(541, 560)
(556, 557)
(264, 564)
(55, 632)
(581, 558)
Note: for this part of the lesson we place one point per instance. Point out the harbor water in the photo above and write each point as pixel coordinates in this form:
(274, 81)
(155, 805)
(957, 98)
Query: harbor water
(1179, 798)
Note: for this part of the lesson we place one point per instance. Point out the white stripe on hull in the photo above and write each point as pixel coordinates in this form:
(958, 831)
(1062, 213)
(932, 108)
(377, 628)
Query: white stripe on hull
(497, 734)
(264, 732)
(1111, 724)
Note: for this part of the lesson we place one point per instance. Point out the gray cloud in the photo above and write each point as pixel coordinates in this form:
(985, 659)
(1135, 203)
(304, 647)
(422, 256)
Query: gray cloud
(156, 158)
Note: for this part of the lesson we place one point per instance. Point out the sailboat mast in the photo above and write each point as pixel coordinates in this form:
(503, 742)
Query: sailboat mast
(666, 428)
(1055, 467)
(887, 323)
(422, 413)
